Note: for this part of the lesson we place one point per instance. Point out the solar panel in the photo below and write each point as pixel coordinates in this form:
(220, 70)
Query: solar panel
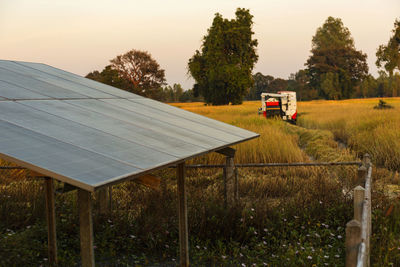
(89, 134)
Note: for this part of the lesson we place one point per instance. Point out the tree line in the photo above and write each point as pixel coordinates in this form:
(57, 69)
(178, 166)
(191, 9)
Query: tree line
(222, 67)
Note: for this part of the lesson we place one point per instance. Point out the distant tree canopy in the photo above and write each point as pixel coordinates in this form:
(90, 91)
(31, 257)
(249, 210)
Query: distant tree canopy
(141, 70)
(335, 68)
(223, 68)
(261, 84)
(389, 55)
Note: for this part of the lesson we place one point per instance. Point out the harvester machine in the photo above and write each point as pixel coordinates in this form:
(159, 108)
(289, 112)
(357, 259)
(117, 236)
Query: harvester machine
(281, 104)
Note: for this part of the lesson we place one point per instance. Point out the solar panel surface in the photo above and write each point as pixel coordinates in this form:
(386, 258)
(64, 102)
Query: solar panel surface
(90, 134)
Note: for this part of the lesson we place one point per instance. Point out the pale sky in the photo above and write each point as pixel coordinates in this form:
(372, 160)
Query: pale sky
(83, 35)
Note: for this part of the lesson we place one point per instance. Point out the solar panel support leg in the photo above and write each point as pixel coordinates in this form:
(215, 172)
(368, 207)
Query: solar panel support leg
(51, 221)
(183, 225)
(86, 227)
(103, 196)
(230, 182)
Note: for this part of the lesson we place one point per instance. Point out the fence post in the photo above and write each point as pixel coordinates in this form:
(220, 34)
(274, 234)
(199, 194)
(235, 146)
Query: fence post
(353, 240)
(368, 165)
(361, 173)
(359, 195)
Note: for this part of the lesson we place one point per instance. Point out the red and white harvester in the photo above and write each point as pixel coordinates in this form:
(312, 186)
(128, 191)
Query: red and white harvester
(282, 104)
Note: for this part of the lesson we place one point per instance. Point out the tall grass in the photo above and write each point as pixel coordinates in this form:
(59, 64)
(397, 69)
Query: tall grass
(273, 145)
(285, 216)
(360, 126)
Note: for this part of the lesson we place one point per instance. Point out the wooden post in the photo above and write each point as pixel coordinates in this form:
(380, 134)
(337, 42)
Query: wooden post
(86, 227)
(359, 195)
(361, 174)
(366, 160)
(353, 240)
(236, 186)
(229, 180)
(103, 196)
(368, 164)
(183, 225)
(110, 198)
(51, 221)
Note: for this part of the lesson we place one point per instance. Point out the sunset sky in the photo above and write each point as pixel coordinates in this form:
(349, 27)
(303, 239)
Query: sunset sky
(81, 36)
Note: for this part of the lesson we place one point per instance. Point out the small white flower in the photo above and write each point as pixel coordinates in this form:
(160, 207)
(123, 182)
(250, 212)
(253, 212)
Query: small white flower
(166, 246)
(252, 209)
(339, 236)
(244, 265)
(251, 217)
(326, 257)
(309, 257)
(223, 256)
(337, 256)
(265, 230)
(132, 236)
(198, 247)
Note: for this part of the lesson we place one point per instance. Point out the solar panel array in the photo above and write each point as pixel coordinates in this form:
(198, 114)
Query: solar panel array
(89, 134)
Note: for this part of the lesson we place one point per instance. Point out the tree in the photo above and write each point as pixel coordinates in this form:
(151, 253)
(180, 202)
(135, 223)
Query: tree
(299, 82)
(278, 84)
(261, 84)
(330, 85)
(141, 70)
(333, 51)
(222, 69)
(389, 55)
(173, 93)
(111, 77)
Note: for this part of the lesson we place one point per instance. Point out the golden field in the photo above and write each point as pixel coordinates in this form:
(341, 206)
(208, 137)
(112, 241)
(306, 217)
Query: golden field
(285, 216)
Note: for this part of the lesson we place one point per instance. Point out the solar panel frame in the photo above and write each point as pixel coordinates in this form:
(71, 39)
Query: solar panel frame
(112, 135)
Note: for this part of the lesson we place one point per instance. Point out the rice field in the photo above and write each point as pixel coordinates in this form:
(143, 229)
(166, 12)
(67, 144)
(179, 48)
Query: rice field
(285, 216)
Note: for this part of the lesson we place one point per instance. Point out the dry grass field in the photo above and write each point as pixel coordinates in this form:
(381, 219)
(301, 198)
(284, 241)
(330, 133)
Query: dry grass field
(285, 216)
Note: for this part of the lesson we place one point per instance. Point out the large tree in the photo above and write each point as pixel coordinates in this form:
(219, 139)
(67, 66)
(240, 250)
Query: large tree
(141, 70)
(335, 67)
(222, 69)
(388, 55)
